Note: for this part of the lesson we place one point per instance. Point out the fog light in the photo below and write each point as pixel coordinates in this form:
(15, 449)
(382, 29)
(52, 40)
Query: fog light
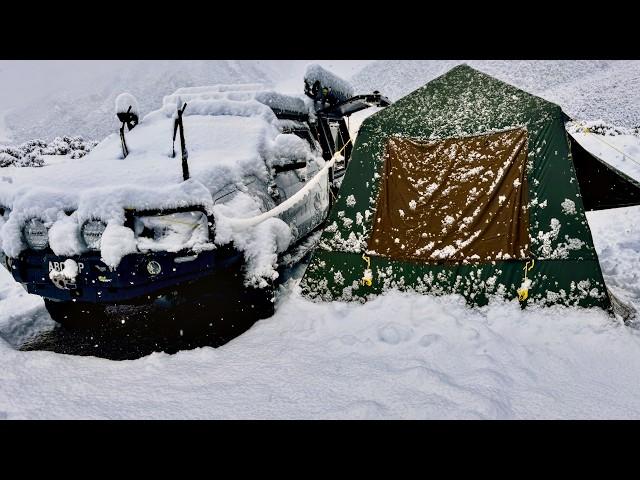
(153, 267)
(92, 232)
(36, 234)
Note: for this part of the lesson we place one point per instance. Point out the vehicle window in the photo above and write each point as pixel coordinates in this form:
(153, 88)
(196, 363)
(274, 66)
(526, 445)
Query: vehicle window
(303, 133)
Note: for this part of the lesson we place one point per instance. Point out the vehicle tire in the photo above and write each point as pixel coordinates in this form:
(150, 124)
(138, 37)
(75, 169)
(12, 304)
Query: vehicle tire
(260, 302)
(75, 314)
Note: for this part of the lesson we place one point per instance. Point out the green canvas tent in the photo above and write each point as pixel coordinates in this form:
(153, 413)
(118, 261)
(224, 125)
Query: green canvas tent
(468, 185)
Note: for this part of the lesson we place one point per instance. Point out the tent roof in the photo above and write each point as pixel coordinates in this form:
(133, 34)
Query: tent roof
(462, 102)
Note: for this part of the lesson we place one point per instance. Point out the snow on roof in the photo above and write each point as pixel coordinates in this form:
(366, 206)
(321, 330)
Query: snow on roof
(218, 155)
(229, 134)
(341, 88)
(234, 87)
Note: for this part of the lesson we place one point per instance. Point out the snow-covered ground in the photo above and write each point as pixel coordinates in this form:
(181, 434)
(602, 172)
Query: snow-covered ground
(401, 355)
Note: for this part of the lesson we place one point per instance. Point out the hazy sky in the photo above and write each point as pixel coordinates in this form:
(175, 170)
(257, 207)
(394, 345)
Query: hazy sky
(28, 80)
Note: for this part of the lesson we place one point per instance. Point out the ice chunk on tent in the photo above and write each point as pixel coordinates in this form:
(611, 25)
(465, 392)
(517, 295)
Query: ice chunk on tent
(568, 206)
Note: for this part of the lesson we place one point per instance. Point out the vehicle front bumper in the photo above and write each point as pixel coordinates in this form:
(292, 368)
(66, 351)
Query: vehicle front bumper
(130, 281)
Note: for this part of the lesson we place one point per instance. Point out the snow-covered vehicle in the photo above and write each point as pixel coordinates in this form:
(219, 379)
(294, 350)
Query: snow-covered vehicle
(205, 196)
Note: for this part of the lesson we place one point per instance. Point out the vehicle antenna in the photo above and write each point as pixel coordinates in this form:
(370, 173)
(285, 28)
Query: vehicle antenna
(128, 118)
(123, 143)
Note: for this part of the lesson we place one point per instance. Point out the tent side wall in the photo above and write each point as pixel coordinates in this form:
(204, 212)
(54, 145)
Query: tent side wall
(338, 276)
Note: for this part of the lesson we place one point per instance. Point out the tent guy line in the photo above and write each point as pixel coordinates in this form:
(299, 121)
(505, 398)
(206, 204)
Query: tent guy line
(597, 137)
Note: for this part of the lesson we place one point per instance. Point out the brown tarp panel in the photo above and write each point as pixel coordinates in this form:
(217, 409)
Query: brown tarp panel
(458, 199)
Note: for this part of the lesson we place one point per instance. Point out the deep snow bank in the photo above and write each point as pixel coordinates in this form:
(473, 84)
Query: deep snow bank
(399, 356)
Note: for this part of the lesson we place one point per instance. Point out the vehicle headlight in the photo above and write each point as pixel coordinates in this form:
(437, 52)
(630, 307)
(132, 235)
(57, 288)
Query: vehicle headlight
(92, 232)
(36, 234)
(172, 232)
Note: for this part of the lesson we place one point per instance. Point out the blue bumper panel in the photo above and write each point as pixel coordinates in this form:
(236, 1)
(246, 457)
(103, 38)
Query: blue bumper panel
(130, 281)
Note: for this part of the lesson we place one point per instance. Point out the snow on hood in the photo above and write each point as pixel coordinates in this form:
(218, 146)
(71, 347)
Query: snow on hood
(229, 133)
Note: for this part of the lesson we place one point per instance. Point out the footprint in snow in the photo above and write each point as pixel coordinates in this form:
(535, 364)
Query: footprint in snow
(428, 340)
(348, 340)
(394, 334)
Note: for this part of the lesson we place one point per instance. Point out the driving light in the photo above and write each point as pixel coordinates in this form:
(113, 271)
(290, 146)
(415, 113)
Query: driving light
(171, 232)
(36, 234)
(153, 268)
(92, 232)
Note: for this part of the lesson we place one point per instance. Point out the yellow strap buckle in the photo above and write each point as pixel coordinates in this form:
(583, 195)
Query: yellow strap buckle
(367, 278)
(523, 291)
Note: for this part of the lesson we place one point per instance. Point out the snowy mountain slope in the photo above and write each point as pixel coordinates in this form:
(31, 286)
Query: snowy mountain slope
(587, 90)
(612, 95)
(46, 99)
(86, 109)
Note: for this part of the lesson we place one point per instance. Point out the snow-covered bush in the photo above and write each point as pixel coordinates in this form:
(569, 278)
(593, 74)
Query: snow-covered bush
(30, 153)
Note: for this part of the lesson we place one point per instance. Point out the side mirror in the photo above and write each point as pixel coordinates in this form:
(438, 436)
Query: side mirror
(127, 113)
(288, 165)
(127, 110)
(129, 118)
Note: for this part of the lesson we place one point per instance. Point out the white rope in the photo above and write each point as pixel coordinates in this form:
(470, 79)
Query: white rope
(242, 223)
